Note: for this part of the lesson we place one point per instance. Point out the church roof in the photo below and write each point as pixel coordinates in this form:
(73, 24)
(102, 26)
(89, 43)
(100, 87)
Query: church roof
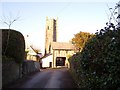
(62, 45)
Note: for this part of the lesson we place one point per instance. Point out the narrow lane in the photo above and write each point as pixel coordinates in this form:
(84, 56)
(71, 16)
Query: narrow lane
(48, 78)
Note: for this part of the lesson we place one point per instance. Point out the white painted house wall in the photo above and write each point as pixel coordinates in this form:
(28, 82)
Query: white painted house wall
(46, 61)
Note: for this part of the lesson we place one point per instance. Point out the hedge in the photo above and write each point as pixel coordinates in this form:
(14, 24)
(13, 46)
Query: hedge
(16, 45)
(98, 65)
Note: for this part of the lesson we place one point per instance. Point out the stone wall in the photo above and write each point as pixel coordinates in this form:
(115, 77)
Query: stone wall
(30, 66)
(12, 71)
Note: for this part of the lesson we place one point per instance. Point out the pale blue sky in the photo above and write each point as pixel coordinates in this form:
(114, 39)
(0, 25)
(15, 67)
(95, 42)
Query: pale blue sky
(72, 18)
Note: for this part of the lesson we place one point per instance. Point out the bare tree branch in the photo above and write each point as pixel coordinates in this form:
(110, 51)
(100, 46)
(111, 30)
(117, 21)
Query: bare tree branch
(112, 14)
(8, 21)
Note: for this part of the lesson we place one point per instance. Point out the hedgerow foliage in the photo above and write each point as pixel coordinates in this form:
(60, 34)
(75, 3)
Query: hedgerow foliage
(99, 62)
(98, 65)
(101, 59)
(15, 47)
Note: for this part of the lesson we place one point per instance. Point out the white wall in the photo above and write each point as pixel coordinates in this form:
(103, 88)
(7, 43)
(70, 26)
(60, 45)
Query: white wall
(46, 61)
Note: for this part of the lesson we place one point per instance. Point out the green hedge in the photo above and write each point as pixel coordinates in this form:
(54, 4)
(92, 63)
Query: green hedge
(16, 45)
(7, 59)
(98, 65)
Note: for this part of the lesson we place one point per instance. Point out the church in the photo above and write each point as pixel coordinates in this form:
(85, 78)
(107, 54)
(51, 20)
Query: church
(59, 51)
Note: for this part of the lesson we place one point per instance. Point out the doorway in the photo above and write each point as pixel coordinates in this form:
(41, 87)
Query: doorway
(60, 61)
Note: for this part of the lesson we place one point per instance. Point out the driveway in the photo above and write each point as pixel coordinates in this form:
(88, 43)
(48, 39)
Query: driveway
(47, 78)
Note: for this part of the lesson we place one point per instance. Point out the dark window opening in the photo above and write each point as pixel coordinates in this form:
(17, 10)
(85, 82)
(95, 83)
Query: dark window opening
(60, 61)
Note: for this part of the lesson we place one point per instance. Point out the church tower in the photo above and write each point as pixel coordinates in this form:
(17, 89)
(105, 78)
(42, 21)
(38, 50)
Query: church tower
(51, 34)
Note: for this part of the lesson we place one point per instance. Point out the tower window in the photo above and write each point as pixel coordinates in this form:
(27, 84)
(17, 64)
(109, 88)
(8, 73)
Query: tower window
(48, 27)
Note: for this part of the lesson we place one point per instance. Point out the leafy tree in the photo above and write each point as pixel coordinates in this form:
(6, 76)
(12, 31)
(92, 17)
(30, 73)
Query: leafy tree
(80, 39)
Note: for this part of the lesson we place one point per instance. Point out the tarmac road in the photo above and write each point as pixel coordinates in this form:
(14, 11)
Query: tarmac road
(47, 78)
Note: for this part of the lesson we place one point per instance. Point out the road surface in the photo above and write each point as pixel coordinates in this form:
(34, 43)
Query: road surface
(47, 78)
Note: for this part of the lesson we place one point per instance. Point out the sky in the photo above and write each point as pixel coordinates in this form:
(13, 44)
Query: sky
(73, 17)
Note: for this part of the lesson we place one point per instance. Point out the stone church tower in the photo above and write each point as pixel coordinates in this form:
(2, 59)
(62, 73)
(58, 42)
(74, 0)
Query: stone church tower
(51, 34)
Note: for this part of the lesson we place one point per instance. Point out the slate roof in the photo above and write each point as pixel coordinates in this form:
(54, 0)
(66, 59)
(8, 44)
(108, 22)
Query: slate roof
(62, 45)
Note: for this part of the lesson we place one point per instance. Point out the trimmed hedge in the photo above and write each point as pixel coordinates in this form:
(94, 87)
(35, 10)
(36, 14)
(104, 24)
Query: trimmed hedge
(7, 59)
(16, 45)
(98, 65)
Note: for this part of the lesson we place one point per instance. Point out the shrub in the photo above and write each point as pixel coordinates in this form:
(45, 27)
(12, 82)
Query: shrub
(76, 70)
(99, 62)
(15, 47)
(7, 59)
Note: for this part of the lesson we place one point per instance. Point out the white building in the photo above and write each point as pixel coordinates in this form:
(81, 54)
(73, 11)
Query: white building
(47, 62)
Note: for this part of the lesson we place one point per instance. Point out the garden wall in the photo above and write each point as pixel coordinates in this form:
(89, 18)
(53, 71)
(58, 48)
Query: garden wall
(30, 66)
(13, 56)
(12, 71)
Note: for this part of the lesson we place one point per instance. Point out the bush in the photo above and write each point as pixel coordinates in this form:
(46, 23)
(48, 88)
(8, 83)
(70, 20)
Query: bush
(15, 47)
(99, 62)
(76, 70)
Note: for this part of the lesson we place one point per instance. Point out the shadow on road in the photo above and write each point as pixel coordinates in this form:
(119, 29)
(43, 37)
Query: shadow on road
(46, 78)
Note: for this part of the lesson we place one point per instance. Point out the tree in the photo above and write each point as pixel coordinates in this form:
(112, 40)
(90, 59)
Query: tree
(80, 39)
(36, 50)
(8, 21)
(98, 64)
(114, 16)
